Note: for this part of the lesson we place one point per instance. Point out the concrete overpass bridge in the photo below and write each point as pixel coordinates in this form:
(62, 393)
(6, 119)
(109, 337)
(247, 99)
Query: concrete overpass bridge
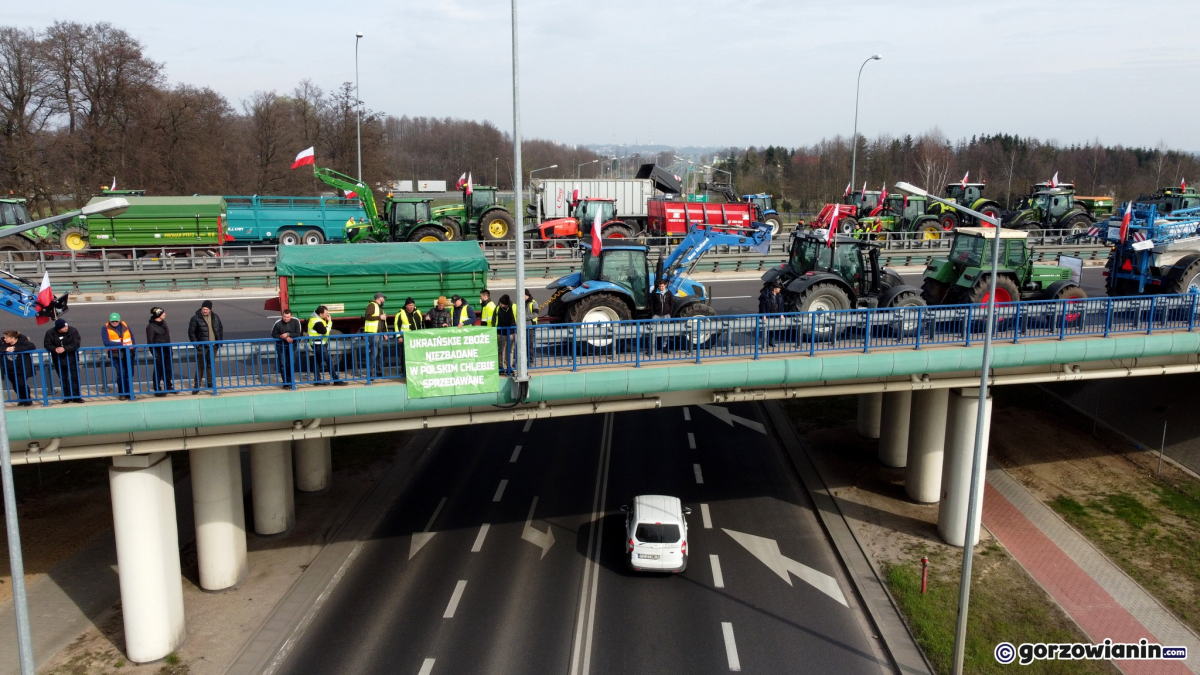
(915, 370)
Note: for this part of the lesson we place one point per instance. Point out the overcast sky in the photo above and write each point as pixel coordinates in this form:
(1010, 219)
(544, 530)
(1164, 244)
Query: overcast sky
(702, 72)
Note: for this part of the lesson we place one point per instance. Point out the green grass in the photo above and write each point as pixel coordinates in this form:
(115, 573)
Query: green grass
(1069, 508)
(172, 659)
(1127, 508)
(1183, 500)
(1007, 609)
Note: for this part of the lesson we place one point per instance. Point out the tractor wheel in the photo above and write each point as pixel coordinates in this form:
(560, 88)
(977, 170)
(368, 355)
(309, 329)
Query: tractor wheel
(847, 225)
(427, 234)
(948, 221)
(823, 297)
(990, 210)
(934, 292)
(929, 230)
(453, 227)
(1078, 224)
(700, 337)
(1189, 282)
(776, 224)
(74, 239)
(496, 225)
(18, 247)
(1077, 293)
(289, 238)
(313, 238)
(596, 312)
(1006, 291)
(617, 231)
(906, 323)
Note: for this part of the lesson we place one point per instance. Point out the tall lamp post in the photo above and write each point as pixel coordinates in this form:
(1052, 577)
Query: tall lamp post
(496, 172)
(538, 199)
(577, 168)
(358, 104)
(976, 492)
(854, 139)
(522, 356)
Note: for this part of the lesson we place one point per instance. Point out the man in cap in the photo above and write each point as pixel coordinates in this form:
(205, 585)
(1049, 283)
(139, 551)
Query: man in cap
(62, 341)
(374, 323)
(662, 306)
(119, 340)
(205, 327)
(439, 316)
(408, 318)
(158, 333)
(770, 304)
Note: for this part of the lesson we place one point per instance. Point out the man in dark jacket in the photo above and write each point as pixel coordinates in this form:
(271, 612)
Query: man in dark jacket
(205, 326)
(506, 323)
(284, 332)
(158, 333)
(439, 316)
(18, 365)
(62, 341)
(662, 306)
(770, 304)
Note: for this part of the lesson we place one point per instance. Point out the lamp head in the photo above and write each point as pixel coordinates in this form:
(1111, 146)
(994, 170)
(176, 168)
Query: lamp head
(874, 57)
(910, 189)
(358, 35)
(552, 166)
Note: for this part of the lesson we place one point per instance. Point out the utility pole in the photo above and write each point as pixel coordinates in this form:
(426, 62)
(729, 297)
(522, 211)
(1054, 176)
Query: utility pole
(358, 104)
(854, 138)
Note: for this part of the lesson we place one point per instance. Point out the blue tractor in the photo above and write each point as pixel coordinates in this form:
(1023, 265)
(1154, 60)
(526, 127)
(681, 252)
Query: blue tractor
(1160, 253)
(767, 211)
(616, 284)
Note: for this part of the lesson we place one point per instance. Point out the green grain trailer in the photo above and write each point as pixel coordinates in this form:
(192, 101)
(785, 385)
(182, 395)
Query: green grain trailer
(152, 222)
(346, 278)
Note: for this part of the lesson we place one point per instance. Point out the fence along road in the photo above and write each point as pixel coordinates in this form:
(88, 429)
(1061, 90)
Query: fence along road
(256, 364)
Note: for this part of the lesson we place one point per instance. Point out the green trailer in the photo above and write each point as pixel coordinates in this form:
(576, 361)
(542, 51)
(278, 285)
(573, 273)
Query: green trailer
(151, 222)
(346, 278)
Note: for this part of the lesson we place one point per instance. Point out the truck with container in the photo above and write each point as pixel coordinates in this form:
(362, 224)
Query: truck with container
(558, 197)
(765, 203)
(674, 218)
(289, 221)
(346, 278)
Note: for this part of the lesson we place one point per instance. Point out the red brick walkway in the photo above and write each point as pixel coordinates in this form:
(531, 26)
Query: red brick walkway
(1089, 605)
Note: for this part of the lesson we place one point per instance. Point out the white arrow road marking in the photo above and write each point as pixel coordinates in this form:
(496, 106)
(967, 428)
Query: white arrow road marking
(419, 539)
(454, 598)
(729, 418)
(478, 545)
(706, 516)
(543, 540)
(730, 646)
(718, 578)
(426, 667)
(767, 551)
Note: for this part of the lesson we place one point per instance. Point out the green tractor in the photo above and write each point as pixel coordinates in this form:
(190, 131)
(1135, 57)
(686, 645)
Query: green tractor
(819, 277)
(899, 214)
(960, 277)
(1170, 199)
(411, 219)
(13, 212)
(1058, 208)
(970, 196)
(480, 214)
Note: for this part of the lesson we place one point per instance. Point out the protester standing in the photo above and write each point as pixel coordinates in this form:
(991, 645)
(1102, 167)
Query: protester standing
(375, 323)
(205, 327)
(284, 332)
(662, 306)
(119, 339)
(18, 365)
(770, 304)
(487, 308)
(461, 313)
(158, 333)
(319, 327)
(62, 341)
(505, 319)
(439, 316)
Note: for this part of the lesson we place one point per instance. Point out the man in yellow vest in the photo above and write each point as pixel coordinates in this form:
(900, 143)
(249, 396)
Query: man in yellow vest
(375, 322)
(408, 318)
(319, 327)
(487, 308)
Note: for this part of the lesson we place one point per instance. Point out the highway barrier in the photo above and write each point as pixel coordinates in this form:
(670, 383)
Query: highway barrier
(146, 370)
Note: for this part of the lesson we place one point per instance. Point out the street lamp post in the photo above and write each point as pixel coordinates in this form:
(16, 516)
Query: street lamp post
(522, 356)
(577, 169)
(713, 168)
(358, 104)
(537, 199)
(854, 139)
(976, 491)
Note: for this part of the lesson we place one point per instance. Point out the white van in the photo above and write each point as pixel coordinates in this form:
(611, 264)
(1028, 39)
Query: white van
(656, 534)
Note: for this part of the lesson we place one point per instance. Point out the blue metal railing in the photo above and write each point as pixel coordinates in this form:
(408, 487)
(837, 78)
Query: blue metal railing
(212, 367)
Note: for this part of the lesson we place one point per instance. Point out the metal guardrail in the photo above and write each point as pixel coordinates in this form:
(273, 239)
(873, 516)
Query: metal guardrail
(213, 367)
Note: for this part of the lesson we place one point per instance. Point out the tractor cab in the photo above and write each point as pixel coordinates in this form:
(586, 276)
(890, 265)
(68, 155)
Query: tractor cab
(481, 199)
(965, 195)
(763, 202)
(1170, 199)
(811, 254)
(973, 249)
(587, 209)
(620, 264)
(13, 212)
(865, 202)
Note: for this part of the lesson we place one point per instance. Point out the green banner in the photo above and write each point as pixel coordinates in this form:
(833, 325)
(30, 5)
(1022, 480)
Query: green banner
(451, 361)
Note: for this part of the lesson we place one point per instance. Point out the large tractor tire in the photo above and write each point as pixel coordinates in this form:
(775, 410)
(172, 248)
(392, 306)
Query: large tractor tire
(1006, 291)
(906, 324)
(702, 336)
(1189, 282)
(290, 238)
(313, 238)
(992, 210)
(930, 230)
(847, 226)
(453, 227)
(818, 298)
(1077, 293)
(1078, 224)
(775, 221)
(74, 239)
(617, 231)
(934, 292)
(427, 234)
(948, 221)
(598, 308)
(18, 247)
(496, 225)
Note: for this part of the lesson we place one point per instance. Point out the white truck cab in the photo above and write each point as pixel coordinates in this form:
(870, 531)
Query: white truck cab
(656, 534)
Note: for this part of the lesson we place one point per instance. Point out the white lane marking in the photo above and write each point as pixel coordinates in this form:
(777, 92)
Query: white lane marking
(528, 423)
(767, 551)
(419, 539)
(730, 647)
(691, 440)
(515, 455)
(729, 418)
(454, 598)
(543, 540)
(581, 651)
(699, 476)
(500, 490)
(478, 545)
(687, 414)
(706, 516)
(718, 578)
(426, 667)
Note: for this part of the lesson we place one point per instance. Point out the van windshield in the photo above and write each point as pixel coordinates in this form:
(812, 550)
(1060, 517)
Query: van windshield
(656, 533)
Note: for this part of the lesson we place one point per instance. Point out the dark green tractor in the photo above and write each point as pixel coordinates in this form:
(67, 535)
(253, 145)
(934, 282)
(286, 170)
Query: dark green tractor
(818, 276)
(22, 246)
(1170, 199)
(411, 219)
(900, 214)
(1057, 208)
(480, 215)
(959, 278)
(970, 196)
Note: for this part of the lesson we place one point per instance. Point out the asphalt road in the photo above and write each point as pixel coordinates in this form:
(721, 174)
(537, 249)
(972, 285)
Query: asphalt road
(245, 317)
(489, 593)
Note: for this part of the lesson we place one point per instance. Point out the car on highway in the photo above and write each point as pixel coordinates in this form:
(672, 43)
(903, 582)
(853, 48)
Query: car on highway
(656, 534)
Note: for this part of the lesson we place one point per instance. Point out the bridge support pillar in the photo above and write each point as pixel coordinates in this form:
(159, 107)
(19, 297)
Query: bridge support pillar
(271, 487)
(926, 445)
(220, 517)
(314, 465)
(143, 500)
(893, 428)
(869, 409)
(956, 470)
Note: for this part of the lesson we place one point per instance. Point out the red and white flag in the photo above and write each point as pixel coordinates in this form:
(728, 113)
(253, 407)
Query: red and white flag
(883, 195)
(963, 184)
(45, 297)
(470, 185)
(114, 184)
(596, 239)
(863, 196)
(305, 158)
(1126, 219)
(1182, 184)
(847, 190)
(462, 180)
(831, 232)
(351, 194)
(1054, 180)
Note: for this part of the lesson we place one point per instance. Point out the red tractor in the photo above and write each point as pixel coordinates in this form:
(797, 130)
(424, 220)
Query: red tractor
(580, 223)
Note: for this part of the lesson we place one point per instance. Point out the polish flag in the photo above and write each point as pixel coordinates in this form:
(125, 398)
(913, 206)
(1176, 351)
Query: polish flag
(1126, 219)
(863, 196)
(1182, 184)
(305, 158)
(596, 239)
(1054, 180)
(883, 196)
(114, 184)
(963, 184)
(462, 180)
(470, 185)
(351, 194)
(45, 297)
(831, 232)
(847, 192)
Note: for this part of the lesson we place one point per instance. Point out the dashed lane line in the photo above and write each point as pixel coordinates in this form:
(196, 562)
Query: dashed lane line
(731, 654)
(454, 598)
(515, 455)
(426, 667)
(500, 490)
(696, 470)
(706, 516)
(687, 414)
(478, 545)
(691, 440)
(528, 424)
(718, 578)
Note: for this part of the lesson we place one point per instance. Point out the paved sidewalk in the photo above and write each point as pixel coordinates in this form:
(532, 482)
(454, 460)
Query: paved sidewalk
(1094, 592)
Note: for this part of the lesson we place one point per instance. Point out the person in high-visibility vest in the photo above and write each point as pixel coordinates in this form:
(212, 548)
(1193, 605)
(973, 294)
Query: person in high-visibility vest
(408, 318)
(461, 313)
(119, 339)
(319, 327)
(374, 322)
(505, 319)
(531, 308)
(487, 308)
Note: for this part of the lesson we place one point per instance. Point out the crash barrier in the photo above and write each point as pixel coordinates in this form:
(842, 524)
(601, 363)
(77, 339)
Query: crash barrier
(213, 367)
